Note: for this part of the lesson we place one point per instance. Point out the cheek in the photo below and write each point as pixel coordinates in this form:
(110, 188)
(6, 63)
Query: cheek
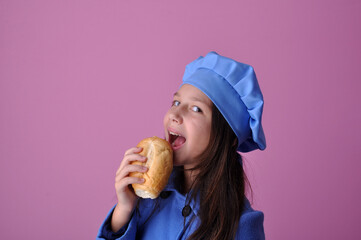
(203, 133)
(206, 137)
(166, 122)
(165, 119)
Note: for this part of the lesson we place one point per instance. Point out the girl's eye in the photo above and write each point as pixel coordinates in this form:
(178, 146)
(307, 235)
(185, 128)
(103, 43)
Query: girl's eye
(175, 103)
(196, 109)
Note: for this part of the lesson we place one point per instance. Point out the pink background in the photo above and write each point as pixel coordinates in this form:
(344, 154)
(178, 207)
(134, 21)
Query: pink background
(81, 81)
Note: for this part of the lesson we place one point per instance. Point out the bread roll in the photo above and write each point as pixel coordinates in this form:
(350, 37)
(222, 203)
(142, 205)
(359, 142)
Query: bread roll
(159, 163)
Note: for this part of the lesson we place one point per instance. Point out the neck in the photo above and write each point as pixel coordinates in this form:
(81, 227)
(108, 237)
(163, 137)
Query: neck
(189, 177)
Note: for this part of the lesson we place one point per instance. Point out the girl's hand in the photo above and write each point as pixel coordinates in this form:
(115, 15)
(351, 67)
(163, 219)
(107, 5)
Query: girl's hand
(125, 194)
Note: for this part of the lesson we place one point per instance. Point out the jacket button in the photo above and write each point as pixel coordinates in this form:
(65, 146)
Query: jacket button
(186, 211)
(164, 194)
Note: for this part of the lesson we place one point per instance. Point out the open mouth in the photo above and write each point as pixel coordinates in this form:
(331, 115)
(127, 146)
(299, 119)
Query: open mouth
(176, 140)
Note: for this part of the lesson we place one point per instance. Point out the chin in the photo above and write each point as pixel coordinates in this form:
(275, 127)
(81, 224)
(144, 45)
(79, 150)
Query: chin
(178, 162)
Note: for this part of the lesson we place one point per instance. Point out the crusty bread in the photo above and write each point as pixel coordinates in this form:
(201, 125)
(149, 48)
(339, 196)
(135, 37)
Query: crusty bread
(159, 163)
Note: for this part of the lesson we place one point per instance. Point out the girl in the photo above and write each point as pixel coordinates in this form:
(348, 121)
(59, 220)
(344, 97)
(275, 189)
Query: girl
(215, 114)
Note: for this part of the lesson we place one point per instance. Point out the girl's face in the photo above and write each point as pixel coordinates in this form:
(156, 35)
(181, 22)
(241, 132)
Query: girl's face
(187, 125)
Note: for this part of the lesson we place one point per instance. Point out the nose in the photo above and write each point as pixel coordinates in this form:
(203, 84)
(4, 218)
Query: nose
(175, 115)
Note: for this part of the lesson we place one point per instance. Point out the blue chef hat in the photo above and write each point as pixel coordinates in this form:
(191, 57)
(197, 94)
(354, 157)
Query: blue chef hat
(233, 88)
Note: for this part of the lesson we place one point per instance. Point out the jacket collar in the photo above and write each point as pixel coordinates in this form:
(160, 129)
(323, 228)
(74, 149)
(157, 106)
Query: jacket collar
(194, 203)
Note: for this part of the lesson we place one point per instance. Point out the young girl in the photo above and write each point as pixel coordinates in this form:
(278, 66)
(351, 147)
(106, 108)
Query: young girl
(215, 114)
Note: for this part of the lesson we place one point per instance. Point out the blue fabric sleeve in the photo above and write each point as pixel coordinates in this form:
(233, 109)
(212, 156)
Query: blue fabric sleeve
(251, 226)
(126, 232)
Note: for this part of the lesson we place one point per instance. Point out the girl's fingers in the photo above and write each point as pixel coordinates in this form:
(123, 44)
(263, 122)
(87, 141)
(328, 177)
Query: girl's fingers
(122, 185)
(128, 169)
(131, 158)
(122, 178)
(133, 150)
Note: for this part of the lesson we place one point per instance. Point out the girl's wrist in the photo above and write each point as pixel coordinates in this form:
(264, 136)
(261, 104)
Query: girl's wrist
(120, 217)
(123, 209)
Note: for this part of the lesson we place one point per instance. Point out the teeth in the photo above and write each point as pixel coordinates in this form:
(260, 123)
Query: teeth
(172, 133)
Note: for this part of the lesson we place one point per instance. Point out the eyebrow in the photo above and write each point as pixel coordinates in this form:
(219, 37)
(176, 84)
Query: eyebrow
(192, 98)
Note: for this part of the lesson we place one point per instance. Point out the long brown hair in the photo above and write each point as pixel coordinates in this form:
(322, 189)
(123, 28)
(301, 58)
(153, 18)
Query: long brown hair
(219, 184)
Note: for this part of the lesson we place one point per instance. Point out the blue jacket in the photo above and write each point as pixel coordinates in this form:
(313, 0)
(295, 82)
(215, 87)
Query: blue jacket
(168, 222)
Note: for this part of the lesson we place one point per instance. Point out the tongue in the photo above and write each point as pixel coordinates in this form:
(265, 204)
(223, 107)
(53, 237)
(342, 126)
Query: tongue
(178, 141)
